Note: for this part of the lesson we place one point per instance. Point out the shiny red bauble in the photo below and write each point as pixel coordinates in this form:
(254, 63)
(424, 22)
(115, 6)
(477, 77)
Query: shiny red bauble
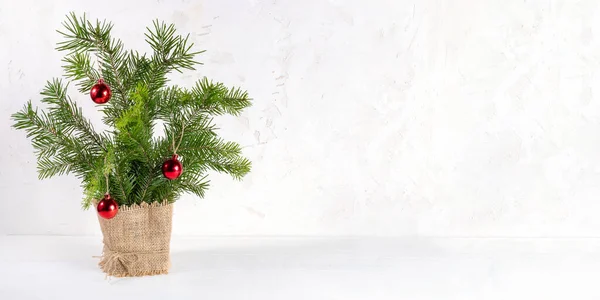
(172, 168)
(100, 92)
(107, 207)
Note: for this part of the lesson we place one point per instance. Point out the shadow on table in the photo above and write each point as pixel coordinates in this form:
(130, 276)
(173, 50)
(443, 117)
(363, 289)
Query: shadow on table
(320, 254)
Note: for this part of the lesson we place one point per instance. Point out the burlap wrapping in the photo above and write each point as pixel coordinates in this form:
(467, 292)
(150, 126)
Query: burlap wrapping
(137, 240)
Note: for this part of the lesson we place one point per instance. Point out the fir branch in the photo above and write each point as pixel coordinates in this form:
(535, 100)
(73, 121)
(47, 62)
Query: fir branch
(146, 185)
(140, 146)
(110, 59)
(65, 141)
(50, 141)
(70, 116)
(78, 66)
(142, 194)
(216, 99)
(171, 51)
(83, 36)
(197, 186)
(122, 182)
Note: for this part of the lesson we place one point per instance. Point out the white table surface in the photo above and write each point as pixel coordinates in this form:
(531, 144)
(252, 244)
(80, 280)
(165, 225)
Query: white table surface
(61, 267)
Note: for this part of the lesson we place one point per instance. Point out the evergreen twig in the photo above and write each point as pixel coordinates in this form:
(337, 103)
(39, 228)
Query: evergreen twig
(129, 156)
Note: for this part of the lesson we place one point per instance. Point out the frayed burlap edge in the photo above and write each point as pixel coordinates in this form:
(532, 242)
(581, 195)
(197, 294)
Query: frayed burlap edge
(137, 240)
(143, 206)
(111, 272)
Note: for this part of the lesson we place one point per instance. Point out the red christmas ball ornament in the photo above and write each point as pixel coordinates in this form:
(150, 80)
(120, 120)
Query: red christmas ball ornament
(100, 92)
(172, 168)
(107, 207)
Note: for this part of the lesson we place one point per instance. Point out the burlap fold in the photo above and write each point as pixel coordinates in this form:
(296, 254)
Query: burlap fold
(137, 240)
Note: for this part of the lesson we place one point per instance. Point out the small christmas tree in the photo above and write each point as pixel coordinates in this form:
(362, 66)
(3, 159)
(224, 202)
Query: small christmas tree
(131, 160)
(136, 172)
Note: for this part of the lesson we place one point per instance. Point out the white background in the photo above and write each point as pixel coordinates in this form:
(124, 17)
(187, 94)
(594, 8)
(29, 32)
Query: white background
(429, 118)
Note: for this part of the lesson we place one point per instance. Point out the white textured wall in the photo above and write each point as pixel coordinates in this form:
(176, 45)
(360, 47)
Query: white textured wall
(445, 118)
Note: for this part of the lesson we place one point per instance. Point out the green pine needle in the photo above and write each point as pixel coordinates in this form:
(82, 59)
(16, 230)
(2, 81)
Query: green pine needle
(131, 153)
